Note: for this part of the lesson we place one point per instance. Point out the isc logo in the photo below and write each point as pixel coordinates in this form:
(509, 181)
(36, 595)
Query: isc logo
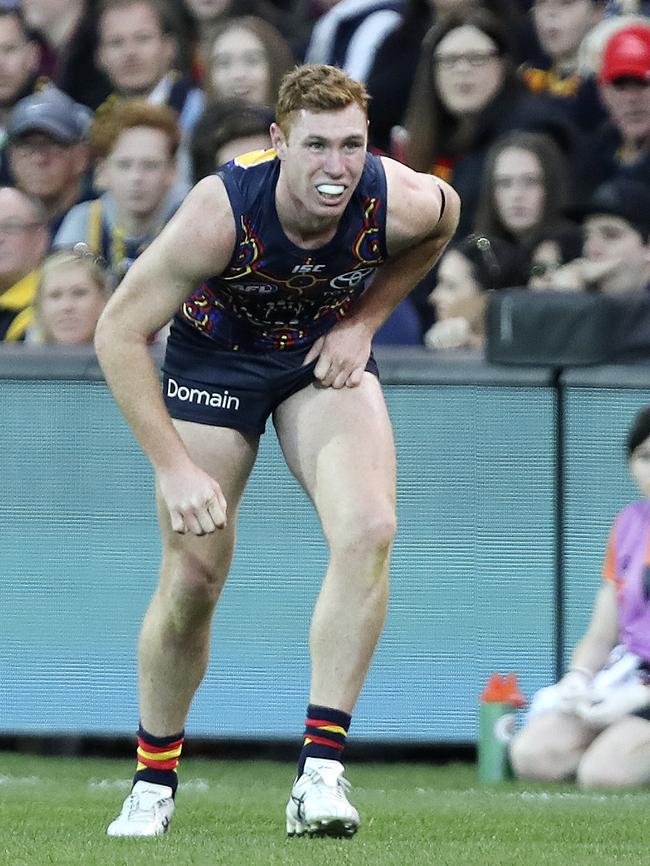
(307, 269)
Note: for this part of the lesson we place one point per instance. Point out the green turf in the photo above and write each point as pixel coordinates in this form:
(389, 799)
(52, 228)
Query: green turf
(55, 810)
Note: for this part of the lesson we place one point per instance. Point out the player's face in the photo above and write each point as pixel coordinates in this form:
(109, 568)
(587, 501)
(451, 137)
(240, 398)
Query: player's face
(322, 158)
(640, 466)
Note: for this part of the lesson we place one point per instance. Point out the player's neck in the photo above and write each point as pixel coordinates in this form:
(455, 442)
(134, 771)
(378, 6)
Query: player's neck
(302, 228)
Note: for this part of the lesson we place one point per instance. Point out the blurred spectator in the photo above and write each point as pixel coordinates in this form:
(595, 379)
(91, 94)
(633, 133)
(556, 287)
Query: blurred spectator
(67, 34)
(350, 31)
(594, 724)
(466, 94)
(622, 145)
(138, 50)
(391, 75)
(48, 151)
(466, 272)
(225, 130)
(525, 186)
(18, 62)
(247, 61)
(616, 252)
(136, 145)
(561, 26)
(550, 248)
(72, 292)
(23, 242)
(208, 15)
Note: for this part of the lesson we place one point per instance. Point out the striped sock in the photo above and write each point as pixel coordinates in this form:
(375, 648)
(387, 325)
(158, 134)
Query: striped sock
(325, 733)
(158, 759)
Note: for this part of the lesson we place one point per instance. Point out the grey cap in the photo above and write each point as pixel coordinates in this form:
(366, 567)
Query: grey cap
(52, 112)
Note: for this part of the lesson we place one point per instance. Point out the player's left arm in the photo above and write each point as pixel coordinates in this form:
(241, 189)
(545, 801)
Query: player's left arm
(422, 216)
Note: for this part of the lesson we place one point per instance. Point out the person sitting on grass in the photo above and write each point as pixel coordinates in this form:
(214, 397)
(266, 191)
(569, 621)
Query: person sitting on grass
(594, 724)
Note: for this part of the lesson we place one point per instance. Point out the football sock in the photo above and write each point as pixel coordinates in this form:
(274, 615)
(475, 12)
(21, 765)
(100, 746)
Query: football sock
(325, 733)
(158, 758)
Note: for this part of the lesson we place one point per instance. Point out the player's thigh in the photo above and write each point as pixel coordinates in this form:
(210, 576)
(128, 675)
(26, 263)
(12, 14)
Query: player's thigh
(339, 445)
(228, 456)
(619, 756)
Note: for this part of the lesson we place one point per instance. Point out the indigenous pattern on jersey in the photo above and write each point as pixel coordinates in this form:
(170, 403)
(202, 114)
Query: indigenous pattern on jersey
(627, 564)
(275, 295)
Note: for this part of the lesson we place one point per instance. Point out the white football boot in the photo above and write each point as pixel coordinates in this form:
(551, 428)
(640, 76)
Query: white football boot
(318, 805)
(147, 811)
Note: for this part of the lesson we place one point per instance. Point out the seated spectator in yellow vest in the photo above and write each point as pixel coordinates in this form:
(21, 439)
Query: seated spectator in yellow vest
(135, 144)
(616, 249)
(23, 242)
(48, 151)
(560, 26)
(72, 292)
(138, 52)
(18, 71)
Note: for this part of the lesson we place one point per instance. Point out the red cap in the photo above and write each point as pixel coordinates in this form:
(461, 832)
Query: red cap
(627, 55)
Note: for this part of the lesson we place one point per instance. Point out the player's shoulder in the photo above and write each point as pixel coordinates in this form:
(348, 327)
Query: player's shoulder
(416, 201)
(207, 197)
(405, 182)
(251, 168)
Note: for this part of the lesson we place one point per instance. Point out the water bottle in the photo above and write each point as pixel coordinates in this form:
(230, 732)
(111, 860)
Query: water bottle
(500, 701)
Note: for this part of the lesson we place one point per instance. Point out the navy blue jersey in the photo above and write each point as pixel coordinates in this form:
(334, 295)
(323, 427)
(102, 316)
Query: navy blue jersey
(274, 295)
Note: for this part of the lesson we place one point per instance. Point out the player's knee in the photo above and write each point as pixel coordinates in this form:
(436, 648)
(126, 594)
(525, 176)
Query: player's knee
(371, 532)
(192, 583)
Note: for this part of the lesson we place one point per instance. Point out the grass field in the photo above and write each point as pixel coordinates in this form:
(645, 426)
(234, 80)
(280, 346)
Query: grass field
(55, 810)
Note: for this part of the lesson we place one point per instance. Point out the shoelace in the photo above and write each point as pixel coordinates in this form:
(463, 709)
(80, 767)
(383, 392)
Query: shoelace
(134, 806)
(342, 787)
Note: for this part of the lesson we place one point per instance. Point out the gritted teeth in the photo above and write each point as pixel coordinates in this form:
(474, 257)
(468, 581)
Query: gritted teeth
(330, 188)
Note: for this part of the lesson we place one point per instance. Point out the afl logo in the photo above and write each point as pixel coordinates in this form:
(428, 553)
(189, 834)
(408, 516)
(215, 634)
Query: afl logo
(351, 279)
(257, 289)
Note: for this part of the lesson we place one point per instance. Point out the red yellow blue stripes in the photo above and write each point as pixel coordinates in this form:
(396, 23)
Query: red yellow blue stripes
(159, 757)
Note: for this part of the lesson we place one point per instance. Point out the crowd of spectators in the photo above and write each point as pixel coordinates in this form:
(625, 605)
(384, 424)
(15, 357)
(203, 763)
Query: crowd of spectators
(537, 111)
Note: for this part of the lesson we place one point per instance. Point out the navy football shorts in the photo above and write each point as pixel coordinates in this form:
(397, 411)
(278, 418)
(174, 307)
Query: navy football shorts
(223, 388)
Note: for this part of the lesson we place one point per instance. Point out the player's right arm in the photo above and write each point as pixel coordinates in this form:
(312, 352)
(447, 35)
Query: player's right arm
(196, 243)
